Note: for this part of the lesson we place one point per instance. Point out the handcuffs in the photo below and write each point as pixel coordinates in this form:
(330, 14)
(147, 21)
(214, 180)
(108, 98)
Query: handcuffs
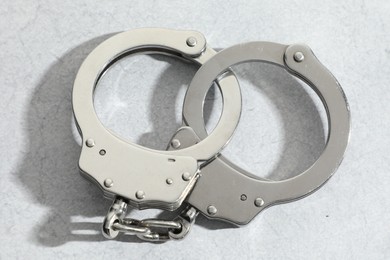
(191, 175)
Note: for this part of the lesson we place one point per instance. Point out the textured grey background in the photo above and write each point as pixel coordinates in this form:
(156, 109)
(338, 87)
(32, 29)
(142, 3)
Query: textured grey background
(48, 211)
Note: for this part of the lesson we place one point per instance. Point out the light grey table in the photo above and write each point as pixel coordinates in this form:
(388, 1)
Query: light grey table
(49, 211)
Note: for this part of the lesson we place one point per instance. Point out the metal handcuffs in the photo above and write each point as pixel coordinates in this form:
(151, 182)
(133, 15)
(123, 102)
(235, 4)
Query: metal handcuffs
(192, 173)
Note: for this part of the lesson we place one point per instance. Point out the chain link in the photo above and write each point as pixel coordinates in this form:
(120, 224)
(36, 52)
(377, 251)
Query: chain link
(147, 229)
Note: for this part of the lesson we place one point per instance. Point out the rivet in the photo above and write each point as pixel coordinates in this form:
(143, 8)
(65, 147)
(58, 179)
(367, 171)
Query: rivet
(212, 210)
(140, 194)
(191, 41)
(102, 152)
(108, 183)
(90, 143)
(299, 57)
(169, 181)
(175, 143)
(186, 176)
(243, 197)
(259, 202)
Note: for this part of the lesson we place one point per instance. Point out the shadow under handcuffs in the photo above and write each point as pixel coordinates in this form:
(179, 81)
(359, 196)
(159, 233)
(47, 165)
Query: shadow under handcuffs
(50, 171)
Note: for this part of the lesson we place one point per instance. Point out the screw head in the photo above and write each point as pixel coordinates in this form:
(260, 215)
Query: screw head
(186, 176)
(175, 143)
(259, 202)
(243, 197)
(90, 143)
(169, 181)
(212, 210)
(299, 57)
(191, 41)
(108, 183)
(140, 195)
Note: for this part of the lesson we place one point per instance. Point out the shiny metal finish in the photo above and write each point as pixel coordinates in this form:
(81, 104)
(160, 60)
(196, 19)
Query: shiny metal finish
(222, 183)
(243, 197)
(299, 57)
(132, 167)
(140, 194)
(192, 169)
(212, 210)
(175, 143)
(186, 176)
(117, 211)
(108, 183)
(186, 220)
(259, 202)
(90, 143)
(191, 41)
(147, 229)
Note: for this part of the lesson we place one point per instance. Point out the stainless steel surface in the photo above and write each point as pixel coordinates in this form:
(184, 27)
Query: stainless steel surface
(90, 143)
(132, 167)
(212, 210)
(163, 179)
(222, 183)
(175, 143)
(298, 56)
(108, 183)
(147, 229)
(117, 211)
(191, 41)
(158, 223)
(186, 220)
(259, 202)
(140, 194)
(49, 212)
(186, 176)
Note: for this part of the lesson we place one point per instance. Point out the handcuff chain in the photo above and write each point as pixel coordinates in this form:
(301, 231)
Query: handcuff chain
(147, 229)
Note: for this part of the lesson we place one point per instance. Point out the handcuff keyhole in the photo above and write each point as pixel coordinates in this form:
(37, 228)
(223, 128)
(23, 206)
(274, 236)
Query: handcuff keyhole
(102, 152)
(171, 160)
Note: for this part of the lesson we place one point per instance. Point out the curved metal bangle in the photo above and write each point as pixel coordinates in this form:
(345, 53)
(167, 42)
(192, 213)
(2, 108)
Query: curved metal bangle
(126, 169)
(218, 193)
